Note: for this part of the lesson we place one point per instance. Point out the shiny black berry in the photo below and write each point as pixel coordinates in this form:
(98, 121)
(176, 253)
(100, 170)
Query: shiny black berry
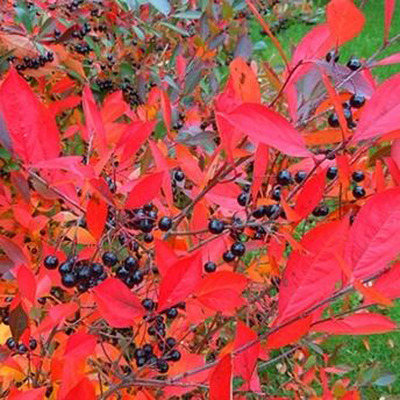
(51, 262)
(22, 349)
(165, 224)
(321, 211)
(66, 267)
(174, 356)
(357, 176)
(272, 211)
(148, 349)
(170, 342)
(109, 258)
(331, 173)
(148, 237)
(162, 366)
(179, 176)
(131, 263)
(276, 193)
(148, 304)
(300, 176)
(32, 344)
(332, 55)
(69, 280)
(140, 361)
(84, 273)
(137, 277)
(11, 343)
(97, 269)
(357, 100)
(172, 313)
(333, 120)
(259, 212)
(216, 226)
(243, 199)
(238, 249)
(210, 266)
(228, 256)
(354, 64)
(284, 178)
(358, 192)
(122, 272)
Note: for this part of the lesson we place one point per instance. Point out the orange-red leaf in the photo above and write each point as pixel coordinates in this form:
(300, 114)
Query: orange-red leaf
(357, 324)
(117, 304)
(30, 394)
(145, 190)
(27, 283)
(345, 20)
(13, 251)
(221, 380)
(96, 216)
(245, 81)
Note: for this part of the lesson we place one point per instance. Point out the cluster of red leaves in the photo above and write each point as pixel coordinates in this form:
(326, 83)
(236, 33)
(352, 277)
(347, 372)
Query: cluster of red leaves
(77, 161)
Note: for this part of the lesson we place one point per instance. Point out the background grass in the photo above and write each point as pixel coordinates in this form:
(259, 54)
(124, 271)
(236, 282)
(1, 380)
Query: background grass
(372, 361)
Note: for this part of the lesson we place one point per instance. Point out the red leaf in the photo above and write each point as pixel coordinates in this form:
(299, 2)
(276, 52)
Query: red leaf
(357, 324)
(57, 315)
(311, 194)
(221, 380)
(382, 112)
(180, 281)
(260, 167)
(345, 20)
(374, 238)
(84, 390)
(266, 126)
(289, 334)
(94, 121)
(165, 257)
(116, 303)
(31, 394)
(13, 251)
(222, 290)
(79, 346)
(245, 361)
(27, 283)
(310, 276)
(389, 10)
(389, 283)
(166, 109)
(245, 81)
(96, 216)
(314, 44)
(145, 190)
(393, 59)
(30, 125)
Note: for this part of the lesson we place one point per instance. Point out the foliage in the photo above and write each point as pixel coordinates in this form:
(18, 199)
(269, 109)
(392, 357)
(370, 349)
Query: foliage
(176, 217)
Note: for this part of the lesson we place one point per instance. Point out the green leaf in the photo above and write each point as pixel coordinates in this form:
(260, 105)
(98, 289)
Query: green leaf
(183, 32)
(188, 15)
(162, 6)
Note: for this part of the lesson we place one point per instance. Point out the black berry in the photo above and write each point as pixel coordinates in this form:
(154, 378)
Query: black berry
(321, 211)
(69, 280)
(148, 304)
(109, 258)
(51, 262)
(300, 176)
(22, 349)
(66, 267)
(276, 193)
(243, 199)
(259, 212)
(358, 192)
(228, 256)
(332, 55)
(172, 313)
(174, 356)
(179, 176)
(331, 173)
(148, 237)
(358, 176)
(333, 120)
(354, 64)
(162, 366)
(32, 344)
(210, 266)
(238, 249)
(97, 269)
(216, 226)
(11, 343)
(357, 100)
(165, 224)
(284, 178)
(131, 263)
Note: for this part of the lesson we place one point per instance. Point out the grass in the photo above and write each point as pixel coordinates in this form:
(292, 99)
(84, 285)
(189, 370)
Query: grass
(372, 361)
(363, 46)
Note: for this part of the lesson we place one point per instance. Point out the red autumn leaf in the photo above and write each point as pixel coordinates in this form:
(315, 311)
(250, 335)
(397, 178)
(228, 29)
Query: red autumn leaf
(245, 362)
(181, 280)
(345, 20)
(13, 251)
(221, 291)
(94, 121)
(374, 238)
(260, 167)
(116, 303)
(84, 389)
(311, 194)
(357, 324)
(96, 217)
(57, 315)
(31, 127)
(314, 44)
(389, 283)
(30, 394)
(389, 10)
(289, 334)
(310, 276)
(382, 112)
(245, 81)
(221, 380)
(27, 283)
(79, 346)
(266, 126)
(393, 59)
(166, 109)
(165, 256)
(145, 190)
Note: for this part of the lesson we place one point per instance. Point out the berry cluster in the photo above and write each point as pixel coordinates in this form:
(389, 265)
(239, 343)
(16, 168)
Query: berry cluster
(82, 48)
(74, 5)
(21, 348)
(35, 62)
(81, 274)
(106, 85)
(83, 31)
(131, 95)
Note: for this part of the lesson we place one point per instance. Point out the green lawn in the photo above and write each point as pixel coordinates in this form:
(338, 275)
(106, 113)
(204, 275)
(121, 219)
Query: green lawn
(363, 46)
(365, 365)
